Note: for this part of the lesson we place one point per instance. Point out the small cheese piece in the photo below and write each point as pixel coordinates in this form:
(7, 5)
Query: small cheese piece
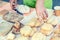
(46, 28)
(53, 20)
(57, 30)
(38, 36)
(10, 36)
(33, 31)
(38, 23)
(55, 38)
(22, 38)
(26, 30)
(32, 22)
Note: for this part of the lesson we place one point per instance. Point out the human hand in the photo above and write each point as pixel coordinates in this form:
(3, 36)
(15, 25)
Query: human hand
(41, 12)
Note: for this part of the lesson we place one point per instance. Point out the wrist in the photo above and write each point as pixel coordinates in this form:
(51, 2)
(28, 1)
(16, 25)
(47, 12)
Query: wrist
(39, 6)
(40, 3)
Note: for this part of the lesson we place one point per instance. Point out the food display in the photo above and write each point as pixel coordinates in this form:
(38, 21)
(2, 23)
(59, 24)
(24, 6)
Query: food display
(31, 28)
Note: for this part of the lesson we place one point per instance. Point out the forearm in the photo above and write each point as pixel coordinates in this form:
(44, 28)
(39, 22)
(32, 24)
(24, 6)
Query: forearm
(40, 2)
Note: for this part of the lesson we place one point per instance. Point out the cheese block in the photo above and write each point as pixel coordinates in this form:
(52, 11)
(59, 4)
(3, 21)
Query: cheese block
(26, 30)
(57, 30)
(53, 20)
(10, 36)
(33, 31)
(46, 29)
(34, 22)
(22, 38)
(38, 36)
(55, 38)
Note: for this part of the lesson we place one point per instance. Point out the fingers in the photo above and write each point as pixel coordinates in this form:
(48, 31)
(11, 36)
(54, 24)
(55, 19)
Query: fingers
(40, 19)
(45, 15)
(42, 15)
(39, 13)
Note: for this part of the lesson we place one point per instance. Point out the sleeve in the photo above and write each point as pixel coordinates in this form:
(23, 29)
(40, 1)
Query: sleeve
(30, 3)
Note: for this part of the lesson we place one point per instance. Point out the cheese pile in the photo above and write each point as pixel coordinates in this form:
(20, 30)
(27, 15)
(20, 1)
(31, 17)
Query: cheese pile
(34, 29)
